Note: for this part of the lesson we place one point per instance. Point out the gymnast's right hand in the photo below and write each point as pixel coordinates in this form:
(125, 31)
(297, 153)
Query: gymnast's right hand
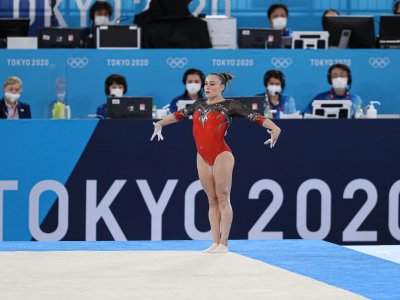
(157, 132)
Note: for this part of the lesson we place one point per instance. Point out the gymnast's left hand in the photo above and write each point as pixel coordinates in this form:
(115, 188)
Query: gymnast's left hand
(157, 132)
(274, 132)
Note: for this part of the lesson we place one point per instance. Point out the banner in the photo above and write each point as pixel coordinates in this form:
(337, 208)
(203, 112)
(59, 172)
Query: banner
(335, 180)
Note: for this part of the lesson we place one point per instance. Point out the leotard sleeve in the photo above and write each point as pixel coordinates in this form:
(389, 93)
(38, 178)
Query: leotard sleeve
(238, 109)
(187, 111)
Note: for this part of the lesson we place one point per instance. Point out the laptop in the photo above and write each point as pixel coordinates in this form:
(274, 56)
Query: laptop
(255, 103)
(259, 38)
(129, 107)
(59, 37)
(336, 109)
(389, 27)
(117, 37)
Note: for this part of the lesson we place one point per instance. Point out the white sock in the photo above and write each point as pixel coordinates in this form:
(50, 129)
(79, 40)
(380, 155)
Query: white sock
(212, 247)
(220, 249)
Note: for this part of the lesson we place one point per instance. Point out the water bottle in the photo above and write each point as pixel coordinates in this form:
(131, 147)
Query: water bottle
(359, 112)
(59, 110)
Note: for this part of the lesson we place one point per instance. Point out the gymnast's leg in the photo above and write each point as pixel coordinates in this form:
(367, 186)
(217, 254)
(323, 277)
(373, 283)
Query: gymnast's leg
(207, 181)
(222, 171)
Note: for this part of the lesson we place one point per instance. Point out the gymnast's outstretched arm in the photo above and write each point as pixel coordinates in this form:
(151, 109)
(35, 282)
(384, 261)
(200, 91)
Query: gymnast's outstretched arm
(237, 108)
(172, 118)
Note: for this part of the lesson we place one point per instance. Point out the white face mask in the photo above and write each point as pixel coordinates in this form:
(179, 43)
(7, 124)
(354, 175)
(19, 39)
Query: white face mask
(117, 92)
(11, 97)
(339, 83)
(101, 20)
(279, 23)
(61, 96)
(274, 89)
(193, 88)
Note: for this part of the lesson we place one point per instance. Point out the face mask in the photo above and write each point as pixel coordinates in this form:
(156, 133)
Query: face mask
(339, 83)
(279, 23)
(117, 92)
(61, 96)
(11, 97)
(274, 89)
(193, 88)
(101, 20)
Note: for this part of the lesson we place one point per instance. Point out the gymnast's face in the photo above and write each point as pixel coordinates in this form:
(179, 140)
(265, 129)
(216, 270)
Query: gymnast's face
(213, 87)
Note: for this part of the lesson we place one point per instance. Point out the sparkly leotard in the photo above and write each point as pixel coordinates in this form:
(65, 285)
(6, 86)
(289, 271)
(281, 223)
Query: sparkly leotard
(210, 122)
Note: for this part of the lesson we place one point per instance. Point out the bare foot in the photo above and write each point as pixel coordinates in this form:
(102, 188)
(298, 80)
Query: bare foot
(220, 249)
(212, 247)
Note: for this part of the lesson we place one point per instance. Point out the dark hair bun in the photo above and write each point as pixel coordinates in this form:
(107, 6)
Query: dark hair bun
(227, 76)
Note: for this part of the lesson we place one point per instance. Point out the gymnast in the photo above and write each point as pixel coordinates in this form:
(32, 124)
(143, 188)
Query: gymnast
(211, 119)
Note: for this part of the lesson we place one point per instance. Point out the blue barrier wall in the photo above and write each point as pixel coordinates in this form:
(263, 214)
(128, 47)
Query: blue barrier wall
(336, 180)
(158, 73)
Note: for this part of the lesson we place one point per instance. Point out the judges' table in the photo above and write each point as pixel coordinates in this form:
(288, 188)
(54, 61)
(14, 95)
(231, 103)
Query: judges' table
(336, 180)
(158, 73)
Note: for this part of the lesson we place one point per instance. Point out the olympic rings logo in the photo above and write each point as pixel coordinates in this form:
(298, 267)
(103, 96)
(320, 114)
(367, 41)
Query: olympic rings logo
(177, 62)
(281, 62)
(77, 62)
(379, 62)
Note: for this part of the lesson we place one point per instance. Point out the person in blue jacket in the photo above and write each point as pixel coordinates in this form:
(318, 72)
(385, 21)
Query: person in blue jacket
(275, 100)
(278, 15)
(339, 76)
(194, 81)
(115, 85)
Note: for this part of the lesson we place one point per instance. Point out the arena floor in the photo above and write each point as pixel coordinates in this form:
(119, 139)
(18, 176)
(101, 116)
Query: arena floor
(288, 269)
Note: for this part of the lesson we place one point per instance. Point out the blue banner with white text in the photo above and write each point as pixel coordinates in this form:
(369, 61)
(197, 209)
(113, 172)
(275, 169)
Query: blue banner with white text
(336, 180)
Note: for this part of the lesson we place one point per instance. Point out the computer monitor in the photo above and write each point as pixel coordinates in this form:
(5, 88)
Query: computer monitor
(255, 103)
(129, 107)
(336, 109)
(259, 38)
(50, 37)
(389, 27)
(12, 28)
(362, 30)
(117, 37)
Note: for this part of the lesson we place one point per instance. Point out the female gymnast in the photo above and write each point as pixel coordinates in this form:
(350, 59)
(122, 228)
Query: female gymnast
(211, 119)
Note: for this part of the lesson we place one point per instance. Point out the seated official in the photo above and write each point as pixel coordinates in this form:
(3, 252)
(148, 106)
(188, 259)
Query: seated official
(274, 81)
(99, 14)
(10, 106)
(169, 24)
(115, 85)
(396, 7)
(278, 15)
(331, 13)
(194, 81)
(339, 76)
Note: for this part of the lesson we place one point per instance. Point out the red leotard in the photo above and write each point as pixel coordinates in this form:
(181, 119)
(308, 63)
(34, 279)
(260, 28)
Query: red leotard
(210, 122)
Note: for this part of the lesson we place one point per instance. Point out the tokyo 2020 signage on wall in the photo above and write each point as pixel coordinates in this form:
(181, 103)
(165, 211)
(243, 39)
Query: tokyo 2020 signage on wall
(106, 181)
